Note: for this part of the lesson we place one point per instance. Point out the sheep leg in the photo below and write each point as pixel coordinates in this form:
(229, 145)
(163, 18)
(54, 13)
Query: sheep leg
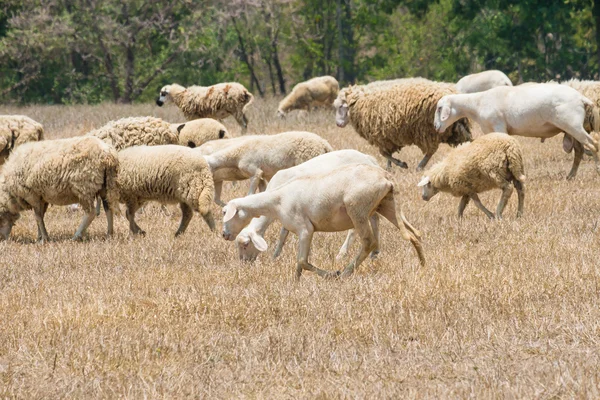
(506, 193)
(39, 218)
(462, 205)
(424, 162)
(109, 217)
(391, 160)
(262, 185)
(254, 181)
(302, 258)
(242, 121)
(98, 201)
(88, 217)
(283, 234)
(210, 221)
(576, 160)
(186, 216)
(579, 134)
(521, 193)
(218, 188)
(347, 243)
(481, 206)
(375, 228)
(365, 232)
(130, 215)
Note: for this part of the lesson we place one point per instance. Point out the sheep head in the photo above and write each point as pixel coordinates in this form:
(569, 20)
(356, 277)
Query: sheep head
(443, 113)
(9, 213)
(428, 189)
(162, 96)
(341, 110)
(250, 244)
(234, 220)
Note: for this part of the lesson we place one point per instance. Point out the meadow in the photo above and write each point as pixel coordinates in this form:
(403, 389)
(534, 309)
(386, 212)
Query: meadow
(503, 309)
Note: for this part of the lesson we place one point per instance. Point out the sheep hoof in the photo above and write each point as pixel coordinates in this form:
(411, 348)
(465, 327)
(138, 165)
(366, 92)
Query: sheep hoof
(374, 254)
(77, 239)
(570, 177)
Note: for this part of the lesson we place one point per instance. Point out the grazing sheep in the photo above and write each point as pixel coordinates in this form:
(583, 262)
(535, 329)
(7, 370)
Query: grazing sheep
(400, 116)
(320, 91)
(218, 101)
(136, 131)
(491, 161)
(59, 172)
(167, 174)
(250, 240)
(199, 131)
(259, 157)
(16, 130)
(340, 104)
(482, 81)
(344, 198)
(540, 110)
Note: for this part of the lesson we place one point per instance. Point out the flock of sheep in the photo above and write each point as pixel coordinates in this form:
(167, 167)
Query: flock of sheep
(302, 181)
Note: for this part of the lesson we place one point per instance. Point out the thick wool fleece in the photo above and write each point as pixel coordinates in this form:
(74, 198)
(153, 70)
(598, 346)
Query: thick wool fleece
(199, 131)
(136, 131)
(319, 91)
(489, 162)
(16, 130)
(217, 101)
(167, 174)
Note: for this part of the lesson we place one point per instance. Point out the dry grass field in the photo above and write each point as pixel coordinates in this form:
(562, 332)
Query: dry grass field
(507, 309)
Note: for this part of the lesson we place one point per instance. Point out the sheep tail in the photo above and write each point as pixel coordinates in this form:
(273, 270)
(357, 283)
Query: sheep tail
(248, 99)
(514, 157)
(110, 181)
(206, 197)
(592, 118)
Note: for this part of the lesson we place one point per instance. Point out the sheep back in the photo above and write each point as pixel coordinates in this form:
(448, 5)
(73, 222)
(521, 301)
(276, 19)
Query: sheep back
(217, 101)
(16, 130)
(321, 90)
(136, 131)
(199, 131)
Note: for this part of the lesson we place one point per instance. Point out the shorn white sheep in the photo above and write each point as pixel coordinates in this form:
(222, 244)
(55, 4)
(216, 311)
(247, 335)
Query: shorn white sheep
(250, 241)
(218, 101)
(59, 172)
(259, 157)
(491, 161)
(400, 115)
(16, 130)
(168, 174)
(344, 198)
(482, 81)
(319, 91)
(540, 110)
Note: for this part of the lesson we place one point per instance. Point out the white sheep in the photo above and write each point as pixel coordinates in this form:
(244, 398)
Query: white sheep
(167, 174)
(16, 130)
(259, 157)
(539, 110)
(250, 240)
(319, 91)
(199, 131)
(341, 199)
(60, 172)
(491, 161)
(482, 81)
(218, 101)
(399, 115)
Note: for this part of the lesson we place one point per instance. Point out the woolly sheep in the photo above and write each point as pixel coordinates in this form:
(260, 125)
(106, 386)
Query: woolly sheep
(199, 131)
(539, 110)
(259, 157)
(250, 240)
(320, 91)
(59, 172)
(217, 101)
(491, 161)
(344, 198)
(482, 81)
(167, 174)
(16, 130)
(400, 116)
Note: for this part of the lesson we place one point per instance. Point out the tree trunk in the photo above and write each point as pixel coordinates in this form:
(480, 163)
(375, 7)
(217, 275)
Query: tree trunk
(129, 72)
(596, 13)
(277, 65)
(246, 60)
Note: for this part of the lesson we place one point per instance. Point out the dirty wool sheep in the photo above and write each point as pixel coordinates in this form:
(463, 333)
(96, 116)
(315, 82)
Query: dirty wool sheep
(218, 101)
(320, 91)
(168, 174)
(341, 199)
(59, 172)
(400, 116)
(491, 161)
(16, 130)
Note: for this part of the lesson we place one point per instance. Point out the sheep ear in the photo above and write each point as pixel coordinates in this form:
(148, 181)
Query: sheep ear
(180, 127)
(445, 113)
(221, 134)
(230, 213)
(259, 242)
(424, 181)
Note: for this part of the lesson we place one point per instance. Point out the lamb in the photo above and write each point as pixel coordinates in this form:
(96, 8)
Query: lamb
(259, 157)
(491, 161)
(399, 116)
(250, 240)
(59, 172)
(167, 174)
(320, 91)
(539, 110)
(218, 101)
(16, 130)
(151, 131)
(482, 81)
(340, 199)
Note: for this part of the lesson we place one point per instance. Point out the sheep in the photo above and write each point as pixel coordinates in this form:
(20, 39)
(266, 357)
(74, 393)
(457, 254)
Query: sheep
(217, 101)
(16, 130)
(167, 174)
(250, 240)
(259, 157)
(491, 161)
(591, 90)
(539, 110)
(59, 172)
(215, 145)
(399, 116)
(340, 199)
(199, 131)
(320, 91)
(136, 131)
(482, 81)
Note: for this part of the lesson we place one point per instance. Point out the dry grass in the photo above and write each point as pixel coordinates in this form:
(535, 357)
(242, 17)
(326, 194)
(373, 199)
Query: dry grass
(503, 309)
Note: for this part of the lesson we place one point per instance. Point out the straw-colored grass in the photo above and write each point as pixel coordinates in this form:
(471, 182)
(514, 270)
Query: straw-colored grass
(507, 309)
